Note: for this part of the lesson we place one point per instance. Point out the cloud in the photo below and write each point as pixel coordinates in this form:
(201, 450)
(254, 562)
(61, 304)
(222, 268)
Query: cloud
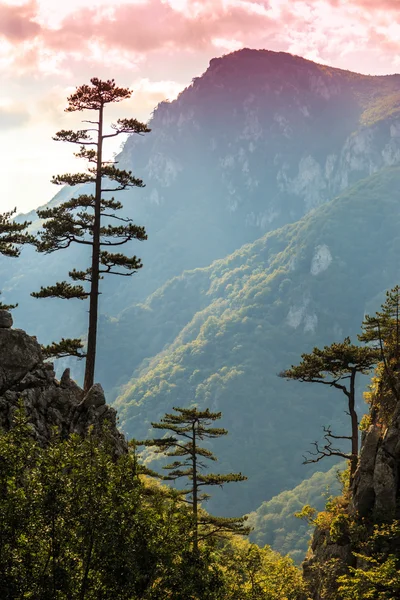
(17, 22)
(358, 34)
(374, 5)
(156, 24)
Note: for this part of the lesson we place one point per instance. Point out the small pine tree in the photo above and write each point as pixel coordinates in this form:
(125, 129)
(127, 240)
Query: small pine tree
(382, 331)
(335, 365)
(12, 236)
(191, 426)
(91, 219)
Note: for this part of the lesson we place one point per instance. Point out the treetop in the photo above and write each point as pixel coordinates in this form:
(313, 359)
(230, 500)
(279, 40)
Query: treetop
(94, 96)
(337, 360)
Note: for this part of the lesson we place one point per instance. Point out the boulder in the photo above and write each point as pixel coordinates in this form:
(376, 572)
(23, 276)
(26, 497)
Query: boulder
(6, 320)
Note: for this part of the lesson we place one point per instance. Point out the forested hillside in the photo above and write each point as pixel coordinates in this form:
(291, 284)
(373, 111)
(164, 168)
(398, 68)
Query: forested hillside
(304, 285)
(274, 522)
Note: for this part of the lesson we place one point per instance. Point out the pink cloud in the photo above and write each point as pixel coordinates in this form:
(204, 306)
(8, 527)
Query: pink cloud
(330, 31)
(17, 22)
(154, 25)
(375, 5)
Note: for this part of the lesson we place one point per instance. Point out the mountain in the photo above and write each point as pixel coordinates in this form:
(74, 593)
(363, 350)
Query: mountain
(273, 215)
(256, 142)
(253, 314)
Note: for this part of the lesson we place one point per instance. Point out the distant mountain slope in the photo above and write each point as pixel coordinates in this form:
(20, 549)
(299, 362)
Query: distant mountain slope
(252, 315)
(274, 522)
(259, 140)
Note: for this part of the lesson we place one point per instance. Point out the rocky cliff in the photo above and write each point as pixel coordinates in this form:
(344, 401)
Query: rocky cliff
(374, 498)
(376, 489)
(48, 402)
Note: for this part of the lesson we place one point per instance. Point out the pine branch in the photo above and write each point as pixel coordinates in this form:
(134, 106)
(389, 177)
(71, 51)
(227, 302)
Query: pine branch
(111, 261)
(214, 479)
(128, 126)
(81, 275)
(13, 234)
(75, 137)
(73, 179)
(124, 233)
(62, 290)
(7, 306)
(64, 348)
(124, 179)
(90, 155)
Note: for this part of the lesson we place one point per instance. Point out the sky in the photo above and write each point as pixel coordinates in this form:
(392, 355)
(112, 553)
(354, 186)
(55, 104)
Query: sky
(154, 47)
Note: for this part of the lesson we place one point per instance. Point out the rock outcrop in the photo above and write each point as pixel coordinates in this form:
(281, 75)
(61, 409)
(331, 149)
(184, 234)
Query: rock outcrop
(374, 498)
(376, 489)
(48, 402)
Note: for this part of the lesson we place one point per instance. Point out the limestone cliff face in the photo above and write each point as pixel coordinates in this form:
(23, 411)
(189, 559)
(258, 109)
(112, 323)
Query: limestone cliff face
(48, 402)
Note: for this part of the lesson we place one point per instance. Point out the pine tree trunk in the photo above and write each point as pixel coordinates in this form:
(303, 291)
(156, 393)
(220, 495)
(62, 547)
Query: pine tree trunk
(195, 499)
(94, 288)
(354, 426)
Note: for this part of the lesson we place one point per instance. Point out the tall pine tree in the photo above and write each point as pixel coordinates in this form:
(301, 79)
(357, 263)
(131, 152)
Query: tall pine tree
(91, 219)
(12, 236)
(190, 427)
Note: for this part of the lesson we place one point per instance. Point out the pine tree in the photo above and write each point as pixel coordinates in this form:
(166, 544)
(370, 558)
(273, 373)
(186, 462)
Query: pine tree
(382, 331)
(12, 236)
(91, 219)
(337, 366)
(191, 426)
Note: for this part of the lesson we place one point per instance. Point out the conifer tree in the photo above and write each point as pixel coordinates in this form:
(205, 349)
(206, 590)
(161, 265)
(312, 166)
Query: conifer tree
(191, 426)
(91, 219)
(12, 236)
(337, 366)
(382, 331)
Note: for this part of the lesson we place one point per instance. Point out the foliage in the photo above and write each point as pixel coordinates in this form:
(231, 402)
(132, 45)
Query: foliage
(91, 219)
(79, 523)
(382, 330)
(258, 573)
(378, 575)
